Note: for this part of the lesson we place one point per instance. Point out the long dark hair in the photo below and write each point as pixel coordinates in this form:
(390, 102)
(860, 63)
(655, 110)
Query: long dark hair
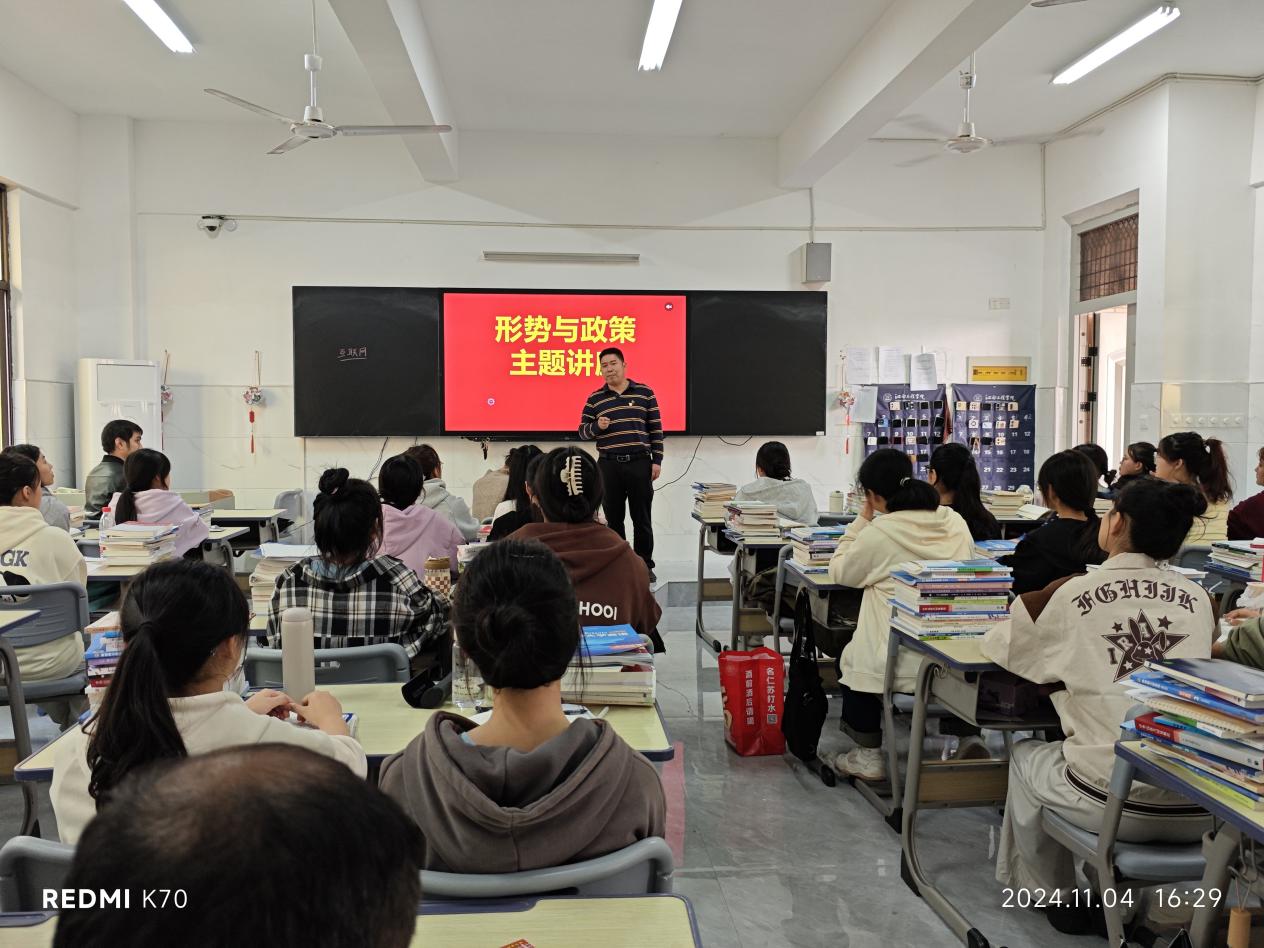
(516, 490)
(773, 458)
(1097, 454)
(558, 497)
(140, 470)
(16, 472)
(1205, 461)
(515, 613)
(175, 614)
(889, 474)
(1160, 515)
(955, 468)
(1072, 476)
(399, 481)
(1143, 453)
(348, 518)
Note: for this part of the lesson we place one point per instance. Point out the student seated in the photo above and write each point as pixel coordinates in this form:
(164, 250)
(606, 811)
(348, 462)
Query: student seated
(335, 862)
(611, 582)
(1246, 520)
(530, 788)
(1185, 458)
(1136, 464)
(489, 490)
(912, 526)
(54, 512)
(1088, 633)
(1245, 642)
(955, 477)
(1067, 541)
(774, 484)
(435, 492)
(518, 508)
(119, 438)
(1101, 464)
(184, 626)
(410, 532)
(35, 553)
(147, 498)
(357, 595)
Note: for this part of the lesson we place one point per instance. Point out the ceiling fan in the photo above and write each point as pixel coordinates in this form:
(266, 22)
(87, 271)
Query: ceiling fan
(312, 125)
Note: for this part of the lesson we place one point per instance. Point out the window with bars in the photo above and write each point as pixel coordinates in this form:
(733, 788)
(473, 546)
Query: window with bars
(1108, 259)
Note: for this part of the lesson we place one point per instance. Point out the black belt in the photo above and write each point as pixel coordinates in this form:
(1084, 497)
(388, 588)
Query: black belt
(625, 458)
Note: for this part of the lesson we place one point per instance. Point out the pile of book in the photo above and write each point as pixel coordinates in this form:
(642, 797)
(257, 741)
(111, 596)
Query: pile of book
(994, 549)
(709, 498)
(102, 656)
(1004, 504)
(275, 559)
(813, 547)
(1103, 505)
(752, 520)
(1206, 723)
(612, 666)
(950, 599)
(137, 544)
(1241, 559)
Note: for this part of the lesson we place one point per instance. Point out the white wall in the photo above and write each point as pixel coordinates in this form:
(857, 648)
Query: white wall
(703, 214)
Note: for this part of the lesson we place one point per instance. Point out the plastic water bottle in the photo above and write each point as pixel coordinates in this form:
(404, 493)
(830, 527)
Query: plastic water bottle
(107, 518)
(467, 680)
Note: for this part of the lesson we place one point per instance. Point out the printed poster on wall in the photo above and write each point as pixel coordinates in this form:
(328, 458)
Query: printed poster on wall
(909, 421)
(998, 424)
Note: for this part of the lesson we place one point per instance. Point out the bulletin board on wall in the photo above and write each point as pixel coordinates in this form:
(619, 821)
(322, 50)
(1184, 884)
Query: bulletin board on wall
(910, 421)
(998, 424)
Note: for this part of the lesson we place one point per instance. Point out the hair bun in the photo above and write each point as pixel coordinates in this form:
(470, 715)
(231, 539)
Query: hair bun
(1188, 500)
(334, 479)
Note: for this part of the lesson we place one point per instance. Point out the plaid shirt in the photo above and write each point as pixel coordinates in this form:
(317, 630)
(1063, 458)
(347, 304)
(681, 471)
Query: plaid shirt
(381, 600)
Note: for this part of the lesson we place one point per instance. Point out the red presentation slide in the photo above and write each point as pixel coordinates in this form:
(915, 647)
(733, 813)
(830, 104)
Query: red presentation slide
(527, 361)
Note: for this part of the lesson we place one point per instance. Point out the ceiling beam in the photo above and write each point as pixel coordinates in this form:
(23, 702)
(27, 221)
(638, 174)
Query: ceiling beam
(392, 41)
(911, 48)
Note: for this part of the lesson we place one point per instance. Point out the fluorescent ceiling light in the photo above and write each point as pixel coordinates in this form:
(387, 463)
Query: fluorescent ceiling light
(157, 20)
(658, 33)
(1117, 44)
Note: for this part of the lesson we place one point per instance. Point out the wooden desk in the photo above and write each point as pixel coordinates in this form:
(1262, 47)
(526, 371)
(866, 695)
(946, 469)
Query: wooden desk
(114, 574)
(665, 921)
(387, 723)
(265, 520)
(709, 590)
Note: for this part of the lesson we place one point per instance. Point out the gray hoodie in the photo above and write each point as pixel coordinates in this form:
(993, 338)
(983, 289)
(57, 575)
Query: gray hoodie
(793, 497)
(583, 794)
(434, 494)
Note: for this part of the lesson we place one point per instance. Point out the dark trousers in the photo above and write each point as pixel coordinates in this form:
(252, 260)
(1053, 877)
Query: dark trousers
(862, 717)
(630, 481)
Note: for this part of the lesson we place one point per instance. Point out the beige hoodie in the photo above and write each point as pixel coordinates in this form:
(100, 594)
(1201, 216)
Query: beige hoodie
(35, 553)
(864, 559)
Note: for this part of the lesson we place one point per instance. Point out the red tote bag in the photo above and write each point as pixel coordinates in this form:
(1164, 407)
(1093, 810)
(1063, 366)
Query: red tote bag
(752, 687)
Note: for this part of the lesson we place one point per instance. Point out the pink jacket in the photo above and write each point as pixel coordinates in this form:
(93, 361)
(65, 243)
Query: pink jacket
(164, 506)
(414, 534)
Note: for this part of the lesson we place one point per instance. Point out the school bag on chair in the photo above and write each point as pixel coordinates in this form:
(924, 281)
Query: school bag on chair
(806, 702)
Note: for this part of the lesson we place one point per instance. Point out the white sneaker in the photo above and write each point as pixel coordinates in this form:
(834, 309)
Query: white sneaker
(867, 763)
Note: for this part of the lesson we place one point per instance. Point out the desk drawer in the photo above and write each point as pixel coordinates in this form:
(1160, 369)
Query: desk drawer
(715, 589)
(953, 782)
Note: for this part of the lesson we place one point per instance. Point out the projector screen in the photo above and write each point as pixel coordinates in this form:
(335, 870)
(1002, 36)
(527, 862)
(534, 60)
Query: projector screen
(523, 363)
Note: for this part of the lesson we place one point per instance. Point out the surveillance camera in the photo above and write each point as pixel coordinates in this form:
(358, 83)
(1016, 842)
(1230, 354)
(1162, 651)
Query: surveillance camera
(212, 224)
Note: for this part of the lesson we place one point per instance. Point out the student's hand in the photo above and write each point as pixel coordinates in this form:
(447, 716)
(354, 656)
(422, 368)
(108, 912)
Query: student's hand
(322, 710)
(270, 701)
(866, 512)
(603, 422)
(1241, 615)
(655, 471)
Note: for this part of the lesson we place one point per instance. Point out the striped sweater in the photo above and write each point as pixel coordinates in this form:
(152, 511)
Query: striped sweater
(635, 424)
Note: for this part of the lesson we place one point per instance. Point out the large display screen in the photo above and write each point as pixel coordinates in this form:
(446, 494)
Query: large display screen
(525, 362)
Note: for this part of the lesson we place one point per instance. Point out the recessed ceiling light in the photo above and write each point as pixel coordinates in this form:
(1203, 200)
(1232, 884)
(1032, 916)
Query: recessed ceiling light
(155, 17)
(658, 33)
(1117, 44)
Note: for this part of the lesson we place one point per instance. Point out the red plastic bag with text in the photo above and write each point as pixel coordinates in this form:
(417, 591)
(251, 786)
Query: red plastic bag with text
(752, 687)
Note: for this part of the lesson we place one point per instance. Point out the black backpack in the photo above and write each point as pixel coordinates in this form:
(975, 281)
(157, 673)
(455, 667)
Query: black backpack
(806, 703)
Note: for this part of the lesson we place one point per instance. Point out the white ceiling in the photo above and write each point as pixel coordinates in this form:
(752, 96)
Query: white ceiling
(735, 67)
(1014, 97)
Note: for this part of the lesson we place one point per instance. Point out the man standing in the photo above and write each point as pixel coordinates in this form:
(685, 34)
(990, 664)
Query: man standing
(622, 416)
(119, 438)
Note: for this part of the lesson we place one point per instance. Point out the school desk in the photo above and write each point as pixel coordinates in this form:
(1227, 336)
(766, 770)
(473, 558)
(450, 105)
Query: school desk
(13, 618)
(745, 553)
(216, 548)
(265, 521)
(710, 529)
(1227, 583)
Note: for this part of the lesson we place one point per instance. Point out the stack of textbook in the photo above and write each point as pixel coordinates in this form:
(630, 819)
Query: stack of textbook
(275, 559)
(994, 549)
(1004, 504)
(709, 498)
(612, 666)
(137, 544)
(1206, 724)
(812, 547)
(950, 599)
(752, 520)
(102, 656)
(1241, 559)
